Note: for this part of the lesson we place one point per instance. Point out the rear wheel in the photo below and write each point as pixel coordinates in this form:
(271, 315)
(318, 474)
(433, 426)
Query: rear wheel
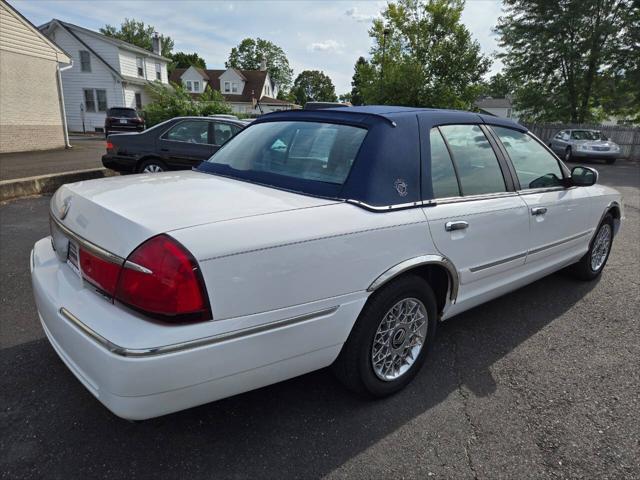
(152, 165)
(390, 340)
(590, 266)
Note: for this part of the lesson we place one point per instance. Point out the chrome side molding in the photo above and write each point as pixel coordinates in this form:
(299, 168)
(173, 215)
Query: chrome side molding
(407, 265)
(190, 344)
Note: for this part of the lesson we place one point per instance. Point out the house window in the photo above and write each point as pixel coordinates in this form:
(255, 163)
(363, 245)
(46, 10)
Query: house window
(196, 86)
(227, 87)
(85, 61)
(234, 87)
(101, 97)
(189, 86)
(138, 101)
(158, 71)
(140, 64)
(89, 101)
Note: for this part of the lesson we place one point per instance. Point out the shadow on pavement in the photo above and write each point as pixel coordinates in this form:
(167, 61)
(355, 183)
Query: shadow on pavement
(308, 426)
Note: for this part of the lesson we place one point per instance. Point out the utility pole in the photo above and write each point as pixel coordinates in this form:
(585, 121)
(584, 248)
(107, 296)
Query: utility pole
(385, 32)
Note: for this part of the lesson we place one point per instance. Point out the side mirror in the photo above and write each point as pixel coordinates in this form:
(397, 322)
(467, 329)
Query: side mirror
(584, 176)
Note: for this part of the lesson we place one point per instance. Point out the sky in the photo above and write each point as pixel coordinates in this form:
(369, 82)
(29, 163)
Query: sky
(327, 35)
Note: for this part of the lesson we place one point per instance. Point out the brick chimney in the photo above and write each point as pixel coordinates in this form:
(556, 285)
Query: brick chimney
(156, 43)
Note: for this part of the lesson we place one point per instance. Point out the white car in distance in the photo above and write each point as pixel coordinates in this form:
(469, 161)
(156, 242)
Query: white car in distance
(313, 238)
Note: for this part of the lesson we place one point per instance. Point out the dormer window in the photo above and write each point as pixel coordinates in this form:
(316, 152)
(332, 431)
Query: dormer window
(234, 87)
(189, 86)
(227, 87)
(196, 86)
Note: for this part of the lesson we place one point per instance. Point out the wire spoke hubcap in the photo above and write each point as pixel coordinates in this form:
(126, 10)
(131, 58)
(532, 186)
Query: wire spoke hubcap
(152, 168)
(399, 339)
(601, 247)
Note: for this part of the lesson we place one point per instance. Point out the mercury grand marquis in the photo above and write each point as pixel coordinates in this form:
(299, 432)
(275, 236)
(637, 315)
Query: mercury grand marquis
(336, 237)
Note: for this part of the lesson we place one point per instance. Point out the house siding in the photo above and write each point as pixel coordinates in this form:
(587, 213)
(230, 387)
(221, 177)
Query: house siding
(31, 118)
(74, 81)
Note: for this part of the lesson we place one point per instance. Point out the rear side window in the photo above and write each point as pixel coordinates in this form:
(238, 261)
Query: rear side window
(443, 175)
(223, 132)
(535, 166)
(475, 160)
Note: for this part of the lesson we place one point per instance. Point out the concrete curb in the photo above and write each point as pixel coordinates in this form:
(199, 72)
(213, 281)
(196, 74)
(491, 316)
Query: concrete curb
(24, 187)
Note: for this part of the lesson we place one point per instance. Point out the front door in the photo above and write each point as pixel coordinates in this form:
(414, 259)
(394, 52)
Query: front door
(187, 144)
(478, 221)
(559, 216)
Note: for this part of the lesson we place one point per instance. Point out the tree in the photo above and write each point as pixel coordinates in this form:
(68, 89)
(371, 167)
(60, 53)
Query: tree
(362, 72)
(558, 52)
(498, 86)
(313, 86)
(250, 53)
(176, 101)
(423, 56)
(139, 34)
(185, 60)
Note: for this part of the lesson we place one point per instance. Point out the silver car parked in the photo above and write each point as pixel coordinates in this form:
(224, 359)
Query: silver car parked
(581, 143)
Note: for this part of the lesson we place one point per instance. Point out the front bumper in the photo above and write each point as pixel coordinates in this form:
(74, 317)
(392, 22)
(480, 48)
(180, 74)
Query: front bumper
(123, 359)
(595, 154)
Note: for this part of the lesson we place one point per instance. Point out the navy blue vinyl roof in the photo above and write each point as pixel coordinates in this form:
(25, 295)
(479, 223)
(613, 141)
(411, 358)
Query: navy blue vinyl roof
(393, 164)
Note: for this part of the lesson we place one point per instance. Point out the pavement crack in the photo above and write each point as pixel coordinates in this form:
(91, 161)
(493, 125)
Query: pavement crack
(464, 395)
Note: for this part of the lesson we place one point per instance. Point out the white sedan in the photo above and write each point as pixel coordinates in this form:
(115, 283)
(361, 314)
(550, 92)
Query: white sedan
(313, 238)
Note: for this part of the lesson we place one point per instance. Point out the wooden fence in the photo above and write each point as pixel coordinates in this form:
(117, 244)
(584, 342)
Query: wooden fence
(627, 137)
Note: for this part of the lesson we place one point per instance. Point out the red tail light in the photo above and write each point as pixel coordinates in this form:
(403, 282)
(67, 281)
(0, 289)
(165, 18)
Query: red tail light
(161, 278)
(101, 273)
(109, 146)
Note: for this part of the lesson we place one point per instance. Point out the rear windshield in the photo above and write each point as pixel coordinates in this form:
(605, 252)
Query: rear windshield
(122, 112)
(294, 155)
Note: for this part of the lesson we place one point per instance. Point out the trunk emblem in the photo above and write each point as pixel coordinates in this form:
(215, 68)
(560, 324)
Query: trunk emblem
(64, 208)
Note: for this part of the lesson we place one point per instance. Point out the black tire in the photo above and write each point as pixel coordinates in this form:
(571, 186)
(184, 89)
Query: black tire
(582, 269)
(354, 366)
(611, 161)
(150, 164)
(568, 155)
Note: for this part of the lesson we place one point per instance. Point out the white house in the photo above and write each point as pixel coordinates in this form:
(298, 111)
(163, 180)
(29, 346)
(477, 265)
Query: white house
(499, 107)
(31, 113)
(247, 91)
(106, 73)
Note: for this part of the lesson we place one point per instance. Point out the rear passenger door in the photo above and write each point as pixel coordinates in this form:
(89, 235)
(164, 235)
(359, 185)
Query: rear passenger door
(478, 221)
(187, 143)
(559, 216)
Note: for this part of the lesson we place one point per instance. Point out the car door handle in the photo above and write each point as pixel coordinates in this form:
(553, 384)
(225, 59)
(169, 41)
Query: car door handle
(538, 210)
(451, 226)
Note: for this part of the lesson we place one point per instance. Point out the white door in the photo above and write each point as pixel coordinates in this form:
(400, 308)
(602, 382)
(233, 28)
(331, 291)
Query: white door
(477, 223)
(559, 216)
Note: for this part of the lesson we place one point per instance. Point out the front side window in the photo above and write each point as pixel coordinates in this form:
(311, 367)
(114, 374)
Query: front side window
(272, 151)
(476, 163)
(101, 96)
(89, 101)
(535, 166)
(85, 61)
(140, 64)
(443, 175)
(194, 131)
(223, 132)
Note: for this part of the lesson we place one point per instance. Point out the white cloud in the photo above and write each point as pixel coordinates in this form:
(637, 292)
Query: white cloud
(354, 13)
(326, 46)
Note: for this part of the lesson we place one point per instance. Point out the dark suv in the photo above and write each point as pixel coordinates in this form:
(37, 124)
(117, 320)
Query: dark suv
(122, 119)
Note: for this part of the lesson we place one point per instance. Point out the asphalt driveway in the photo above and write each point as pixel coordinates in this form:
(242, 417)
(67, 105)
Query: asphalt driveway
(541, 383)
